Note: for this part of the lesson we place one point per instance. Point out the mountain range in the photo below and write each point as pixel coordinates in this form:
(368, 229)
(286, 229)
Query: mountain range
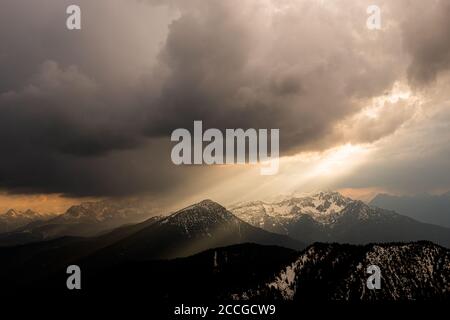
(83, 220)
(205, 252)
(14, 219)
(191, 230)
(322, 216)
(331, 217)
(188, 231)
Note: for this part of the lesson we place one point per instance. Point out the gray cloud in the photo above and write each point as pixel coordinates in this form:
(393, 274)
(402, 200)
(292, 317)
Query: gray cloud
(90, 112)
(414, 161)
(226, 65)
(426, 34)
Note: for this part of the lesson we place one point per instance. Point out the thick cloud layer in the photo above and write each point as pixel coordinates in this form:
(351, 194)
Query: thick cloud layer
(426, 32)
(90, 112)
(302, 69)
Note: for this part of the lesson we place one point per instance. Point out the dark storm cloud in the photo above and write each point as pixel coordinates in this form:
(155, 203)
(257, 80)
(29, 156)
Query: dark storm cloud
(69, 117)
(63, 111)
(90, 112)
(226, 66)
(124, 172)
(60, 134)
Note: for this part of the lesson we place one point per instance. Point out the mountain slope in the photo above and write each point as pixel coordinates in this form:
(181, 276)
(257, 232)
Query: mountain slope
(321, 273)
(338, 272)
(425, 208)
(191, 230)
(330, 217)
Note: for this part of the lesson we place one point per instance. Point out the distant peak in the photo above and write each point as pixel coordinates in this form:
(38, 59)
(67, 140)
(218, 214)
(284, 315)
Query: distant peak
(28, 214)
(322, 206)
(205, 215)
(329, 193)
(210, 203)
(319, 194)
(207, 202)
(14, 212)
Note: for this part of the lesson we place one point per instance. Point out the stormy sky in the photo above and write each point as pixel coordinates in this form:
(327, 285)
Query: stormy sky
(89, 113)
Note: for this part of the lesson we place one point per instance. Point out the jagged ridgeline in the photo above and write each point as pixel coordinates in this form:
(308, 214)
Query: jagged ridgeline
(322, 216)
(331, 217)
(259, 251)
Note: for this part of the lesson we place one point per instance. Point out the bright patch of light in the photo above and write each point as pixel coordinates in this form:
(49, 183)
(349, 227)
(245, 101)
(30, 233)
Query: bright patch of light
(338, 160)
(398, 93)
(317, 170)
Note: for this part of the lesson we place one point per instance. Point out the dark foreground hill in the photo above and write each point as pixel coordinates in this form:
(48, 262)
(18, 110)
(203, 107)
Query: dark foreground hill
(320, 273)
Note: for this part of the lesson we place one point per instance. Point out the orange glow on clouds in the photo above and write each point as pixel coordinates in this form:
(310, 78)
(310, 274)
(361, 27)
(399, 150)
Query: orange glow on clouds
(53, 203)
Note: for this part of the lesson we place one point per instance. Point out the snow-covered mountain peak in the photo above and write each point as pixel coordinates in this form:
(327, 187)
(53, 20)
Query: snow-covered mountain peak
(319, 204)
(323, 207)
